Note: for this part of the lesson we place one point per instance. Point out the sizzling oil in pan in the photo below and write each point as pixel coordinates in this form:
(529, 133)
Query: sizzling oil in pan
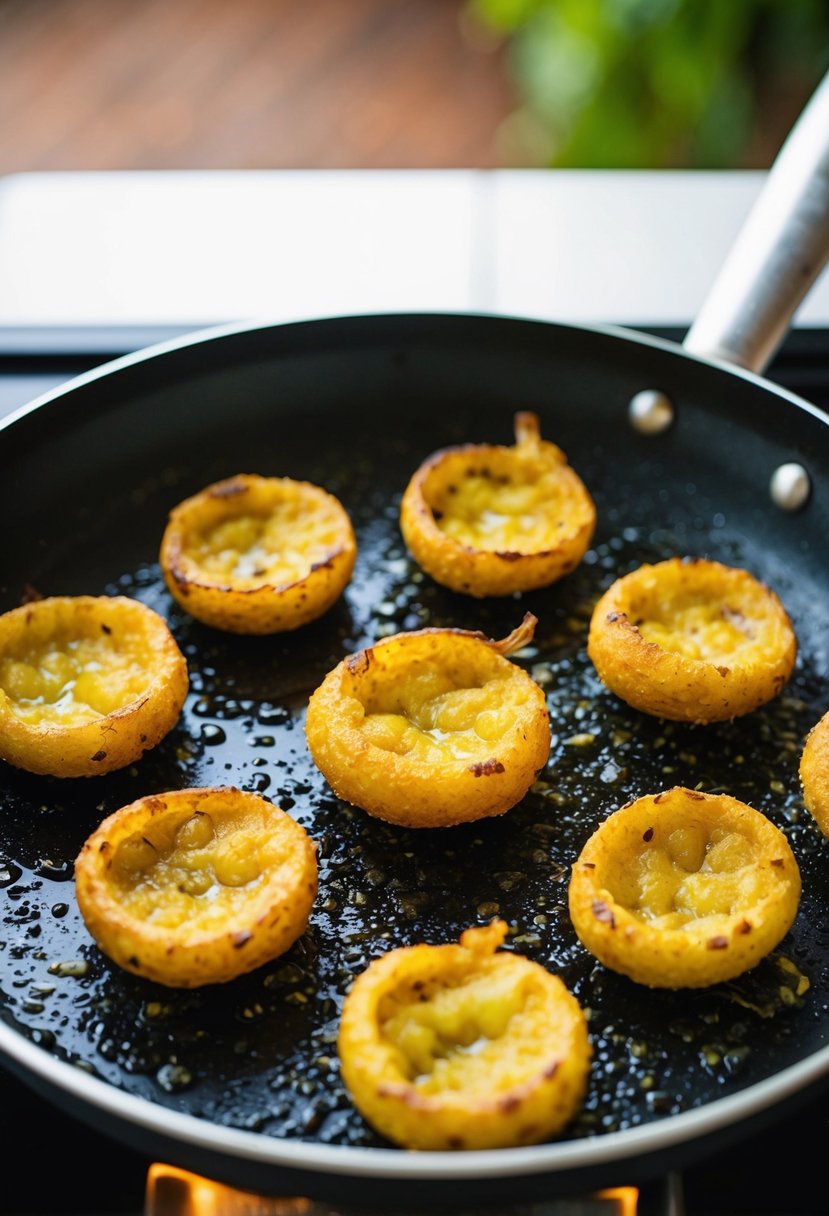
(260, 1053)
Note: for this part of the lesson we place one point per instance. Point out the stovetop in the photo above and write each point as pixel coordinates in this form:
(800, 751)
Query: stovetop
(54, 1164)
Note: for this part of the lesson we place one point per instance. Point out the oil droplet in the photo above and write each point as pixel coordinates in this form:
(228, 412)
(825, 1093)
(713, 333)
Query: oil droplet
(9, 873)
(212, 734)
(173, 1077)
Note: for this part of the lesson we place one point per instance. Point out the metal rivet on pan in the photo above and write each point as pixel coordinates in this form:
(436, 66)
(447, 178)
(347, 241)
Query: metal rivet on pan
(650, 412)
(790, 486)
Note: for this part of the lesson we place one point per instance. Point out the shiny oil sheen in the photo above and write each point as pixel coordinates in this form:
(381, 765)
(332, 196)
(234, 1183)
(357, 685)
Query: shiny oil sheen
(272, 1034)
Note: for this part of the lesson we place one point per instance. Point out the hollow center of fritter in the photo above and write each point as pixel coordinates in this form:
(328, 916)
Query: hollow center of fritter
(81, 679)
(703, 628)
(179, 870)
(276, 548)
(474, 1035)
(513, 511)
(691, 874)
(427, 714)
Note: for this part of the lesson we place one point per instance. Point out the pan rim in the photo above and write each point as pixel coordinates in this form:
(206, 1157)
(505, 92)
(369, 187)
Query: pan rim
(397, 1164)
(394, 1163)
(210, 335)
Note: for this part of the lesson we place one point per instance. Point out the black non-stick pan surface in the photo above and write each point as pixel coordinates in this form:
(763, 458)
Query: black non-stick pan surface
(241, 1081)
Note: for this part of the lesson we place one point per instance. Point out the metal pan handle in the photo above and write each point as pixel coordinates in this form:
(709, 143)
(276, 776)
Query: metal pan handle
(778, 254)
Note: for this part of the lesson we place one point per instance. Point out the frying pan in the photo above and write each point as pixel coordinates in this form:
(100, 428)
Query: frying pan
(240, 1081)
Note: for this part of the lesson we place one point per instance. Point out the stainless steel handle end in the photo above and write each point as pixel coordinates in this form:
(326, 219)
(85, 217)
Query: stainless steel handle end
(778, 254)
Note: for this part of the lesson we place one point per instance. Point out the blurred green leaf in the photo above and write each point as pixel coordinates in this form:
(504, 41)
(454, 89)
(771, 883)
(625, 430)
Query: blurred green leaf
(657, 83)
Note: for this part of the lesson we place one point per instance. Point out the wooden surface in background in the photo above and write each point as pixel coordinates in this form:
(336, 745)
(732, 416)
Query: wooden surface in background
(214, 84)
